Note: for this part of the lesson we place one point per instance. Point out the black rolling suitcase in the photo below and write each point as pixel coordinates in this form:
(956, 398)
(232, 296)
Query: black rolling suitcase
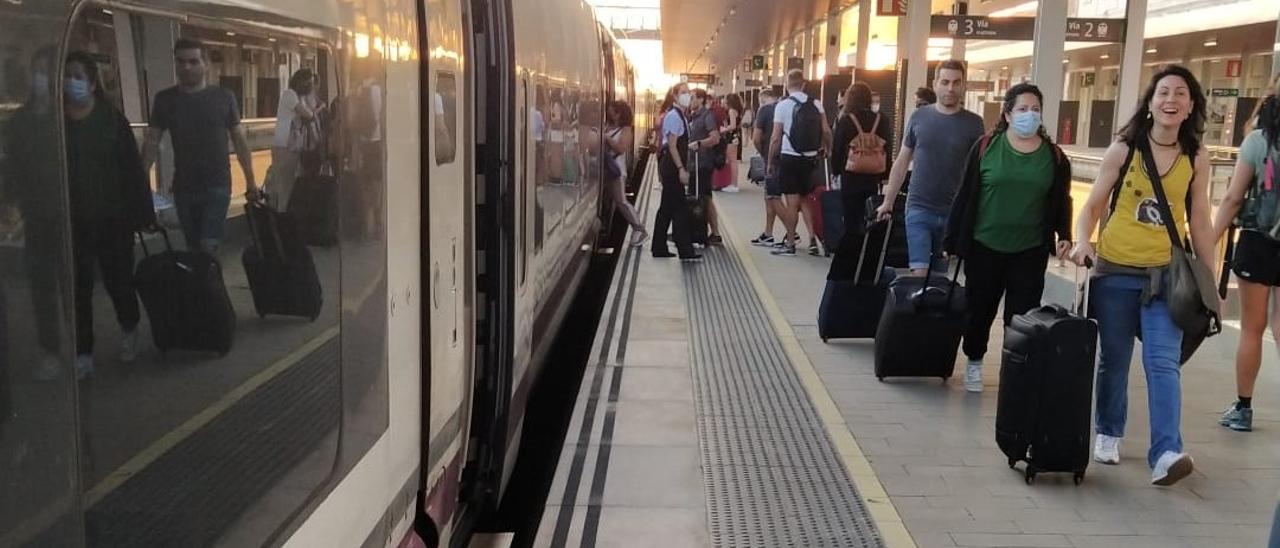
(697, 207)
(921, 326)
(282, 274)
(313, 206)
(186, 300)
(897, 254)
(1046, 390)
(851, 308)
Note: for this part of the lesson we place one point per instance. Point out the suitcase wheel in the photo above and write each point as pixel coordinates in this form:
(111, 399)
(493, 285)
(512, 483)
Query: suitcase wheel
(1030, 475)
(824, 340)
(880, 378)
(1078, 478)
(1013, 463)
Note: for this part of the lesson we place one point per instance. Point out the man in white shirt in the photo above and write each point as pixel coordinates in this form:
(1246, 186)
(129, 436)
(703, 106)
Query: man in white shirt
(801, 140)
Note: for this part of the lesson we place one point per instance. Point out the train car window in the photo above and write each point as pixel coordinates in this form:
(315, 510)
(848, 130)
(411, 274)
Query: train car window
(445, 118)
(208, 303)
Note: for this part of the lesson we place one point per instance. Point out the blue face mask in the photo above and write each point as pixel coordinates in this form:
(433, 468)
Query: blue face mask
(76, 90)
(1026, 124)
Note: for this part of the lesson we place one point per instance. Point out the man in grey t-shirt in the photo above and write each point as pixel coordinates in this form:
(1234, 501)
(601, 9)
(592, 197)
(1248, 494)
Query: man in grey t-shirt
(938, 138)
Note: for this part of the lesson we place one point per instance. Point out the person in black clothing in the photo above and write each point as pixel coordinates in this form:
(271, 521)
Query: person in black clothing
(674, 173)
(110, 200)
(925, 97)
(855, 188)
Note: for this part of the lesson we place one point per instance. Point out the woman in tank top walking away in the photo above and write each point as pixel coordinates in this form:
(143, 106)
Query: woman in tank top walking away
(1132, 259)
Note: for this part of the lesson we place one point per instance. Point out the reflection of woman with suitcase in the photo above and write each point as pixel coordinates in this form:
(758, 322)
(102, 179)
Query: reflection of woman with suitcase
(1012, 212)
(297, 135)
(1254, 201)
(1159, 148)
(110, 200)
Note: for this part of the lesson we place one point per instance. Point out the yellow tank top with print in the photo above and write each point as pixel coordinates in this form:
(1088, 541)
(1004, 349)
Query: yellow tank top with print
(1134, 234)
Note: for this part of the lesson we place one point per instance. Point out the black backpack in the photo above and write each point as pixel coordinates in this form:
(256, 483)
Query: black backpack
(806, 127)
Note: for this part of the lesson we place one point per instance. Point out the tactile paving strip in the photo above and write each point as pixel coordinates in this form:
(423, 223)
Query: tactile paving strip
(773, 477)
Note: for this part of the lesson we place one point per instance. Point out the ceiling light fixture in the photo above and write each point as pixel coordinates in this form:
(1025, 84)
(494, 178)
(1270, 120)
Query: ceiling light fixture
(1105, 56)
(1151, 50)
(1210, 42)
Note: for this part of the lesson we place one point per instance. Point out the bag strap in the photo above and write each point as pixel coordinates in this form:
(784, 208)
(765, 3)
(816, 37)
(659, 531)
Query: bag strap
(1119, 184)
(854, 119)
(1166, 211)
(983, 145)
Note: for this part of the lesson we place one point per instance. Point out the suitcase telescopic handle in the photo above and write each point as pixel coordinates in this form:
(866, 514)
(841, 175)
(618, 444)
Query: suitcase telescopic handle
(142, 239)
(1081, 305)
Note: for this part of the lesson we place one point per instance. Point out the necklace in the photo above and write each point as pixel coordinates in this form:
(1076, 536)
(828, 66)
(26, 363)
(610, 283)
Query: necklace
(1166, 145)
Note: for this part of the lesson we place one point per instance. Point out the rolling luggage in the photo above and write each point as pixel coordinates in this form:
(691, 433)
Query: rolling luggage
(186, 300)
(851, 309)
(313, 206)
(897, 255)
(697, 207)
(921, 326)
(1046, 390)
(282, 274)
(832, 210)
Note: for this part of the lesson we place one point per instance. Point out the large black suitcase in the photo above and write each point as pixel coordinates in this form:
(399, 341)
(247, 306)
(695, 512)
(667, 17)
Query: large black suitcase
(851, 308)
(698, 205)
(282, 274)
(186, 300)
(313, 206)
(897, 255)
(920, 328)
(1046, 391)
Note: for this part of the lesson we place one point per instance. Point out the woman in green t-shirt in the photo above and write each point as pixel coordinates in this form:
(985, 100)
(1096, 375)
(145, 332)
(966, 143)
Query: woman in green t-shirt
(1015, 197)
(1256, 262)
(110, 199)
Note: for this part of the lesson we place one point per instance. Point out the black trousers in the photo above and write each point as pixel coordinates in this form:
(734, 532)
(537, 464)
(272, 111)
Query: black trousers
(108, 245)
(673, 212)
(990, 275)
(44, 263)
(854, 191)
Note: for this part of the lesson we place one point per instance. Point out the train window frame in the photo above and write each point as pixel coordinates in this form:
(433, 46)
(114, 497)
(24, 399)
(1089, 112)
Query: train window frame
(445, 116)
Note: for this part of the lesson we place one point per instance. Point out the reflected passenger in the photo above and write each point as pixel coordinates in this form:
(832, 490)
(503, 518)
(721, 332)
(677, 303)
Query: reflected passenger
(297, 133)
(1013, 211)
(1253, 203)
(199, 118)
(619, 134)
(110, 200)
(673, 171)
(1133, 256)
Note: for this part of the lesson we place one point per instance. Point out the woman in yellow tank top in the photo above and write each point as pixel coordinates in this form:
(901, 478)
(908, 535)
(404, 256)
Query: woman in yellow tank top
(1133, 252)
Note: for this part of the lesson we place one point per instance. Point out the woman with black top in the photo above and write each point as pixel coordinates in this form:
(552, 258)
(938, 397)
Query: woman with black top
(673, 171)
(855, 188)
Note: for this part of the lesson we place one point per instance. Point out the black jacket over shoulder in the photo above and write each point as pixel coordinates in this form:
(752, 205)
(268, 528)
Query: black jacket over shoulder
(845, 131)
(964, 211)
(135, 185)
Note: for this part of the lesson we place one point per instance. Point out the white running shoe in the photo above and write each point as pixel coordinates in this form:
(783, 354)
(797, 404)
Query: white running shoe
(1171, 467)
(129, 346)
(731, 189)
(1106, 449)
(84, 366)
(973, 376)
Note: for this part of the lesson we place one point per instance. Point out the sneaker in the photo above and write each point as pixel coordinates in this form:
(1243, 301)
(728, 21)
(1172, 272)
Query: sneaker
(813, 248)
(691, 259)
(638, 238)
(1106, 449)
(48, 369)
(1171, 467)
(129, 346)
(84, 366)
(715, 239)
(730, 189)
(1237, 418)
(973, 376)
(784, 251)
(763, 239)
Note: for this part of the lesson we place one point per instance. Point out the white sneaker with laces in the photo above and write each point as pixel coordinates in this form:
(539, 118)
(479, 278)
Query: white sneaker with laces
(84, 366)
(731, 189)
(129, 346)
(1171, 467)
(973, 376)
(1106, 449)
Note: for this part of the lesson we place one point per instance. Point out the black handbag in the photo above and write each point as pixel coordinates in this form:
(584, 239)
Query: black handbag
(1190, 288)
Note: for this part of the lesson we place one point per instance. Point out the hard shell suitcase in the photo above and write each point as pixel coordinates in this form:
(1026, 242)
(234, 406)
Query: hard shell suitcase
(921, 327)
(851, 309)
(282, 274)
(1046, 391)
(833, 221)
(186, 300)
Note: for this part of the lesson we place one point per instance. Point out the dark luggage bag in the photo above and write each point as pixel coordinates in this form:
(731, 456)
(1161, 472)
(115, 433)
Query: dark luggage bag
(897, 255)
(282, 274)
(851, 308)
(920, 328)
(698, 204)
(313, 207)
(1046, 391)
(833, 221)
(186, 300)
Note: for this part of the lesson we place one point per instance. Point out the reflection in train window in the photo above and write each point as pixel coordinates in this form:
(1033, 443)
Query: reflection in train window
(211, 401)
(446, 111)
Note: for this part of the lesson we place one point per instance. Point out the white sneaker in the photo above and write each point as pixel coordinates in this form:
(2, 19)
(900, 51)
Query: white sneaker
(973, 376)
(1106, 449)
(731, 189)
(48, 369)
(129, 346)
(1171, 467)
(84, 366)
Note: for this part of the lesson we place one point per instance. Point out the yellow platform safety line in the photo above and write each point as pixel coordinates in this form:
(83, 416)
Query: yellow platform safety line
(161, 446)
(879, 505)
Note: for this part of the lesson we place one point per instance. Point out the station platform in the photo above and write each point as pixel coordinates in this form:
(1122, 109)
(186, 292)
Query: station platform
(711, 414)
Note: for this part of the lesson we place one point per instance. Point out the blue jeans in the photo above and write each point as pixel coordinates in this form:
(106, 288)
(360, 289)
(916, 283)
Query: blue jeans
(925, 229)
(203, 216)
(1117, 304)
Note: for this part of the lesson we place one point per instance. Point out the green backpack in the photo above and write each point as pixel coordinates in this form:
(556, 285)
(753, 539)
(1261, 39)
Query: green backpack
(1261, 211)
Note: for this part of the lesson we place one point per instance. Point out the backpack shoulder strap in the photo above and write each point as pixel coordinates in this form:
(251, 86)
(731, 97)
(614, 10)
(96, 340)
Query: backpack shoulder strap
(983, 144)
(875, 125)
(1124, 171)
(856, 124)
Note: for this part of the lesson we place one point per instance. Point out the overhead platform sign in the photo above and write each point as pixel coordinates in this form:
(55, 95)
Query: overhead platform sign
(981, 27)
(696, 78)
(757, 62)
(891, 8)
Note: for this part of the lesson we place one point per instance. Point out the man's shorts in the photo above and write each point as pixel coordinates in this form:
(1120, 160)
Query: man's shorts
(772, 187)
(1257, 259)
(796, 174)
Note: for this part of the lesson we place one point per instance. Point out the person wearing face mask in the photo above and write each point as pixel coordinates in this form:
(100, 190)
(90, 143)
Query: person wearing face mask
(110, 200)
(673, 172)
(1012, 212)
(297, 131)
(1132, 261)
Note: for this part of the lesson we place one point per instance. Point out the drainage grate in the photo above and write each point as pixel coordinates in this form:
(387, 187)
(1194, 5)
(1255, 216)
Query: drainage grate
(772, 476)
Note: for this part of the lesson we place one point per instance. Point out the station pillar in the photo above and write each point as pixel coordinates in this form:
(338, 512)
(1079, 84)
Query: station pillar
(913, 46)
(864, 34)
(1131, 62)
(1046, 59)
(832, 40)
(1275, 59)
